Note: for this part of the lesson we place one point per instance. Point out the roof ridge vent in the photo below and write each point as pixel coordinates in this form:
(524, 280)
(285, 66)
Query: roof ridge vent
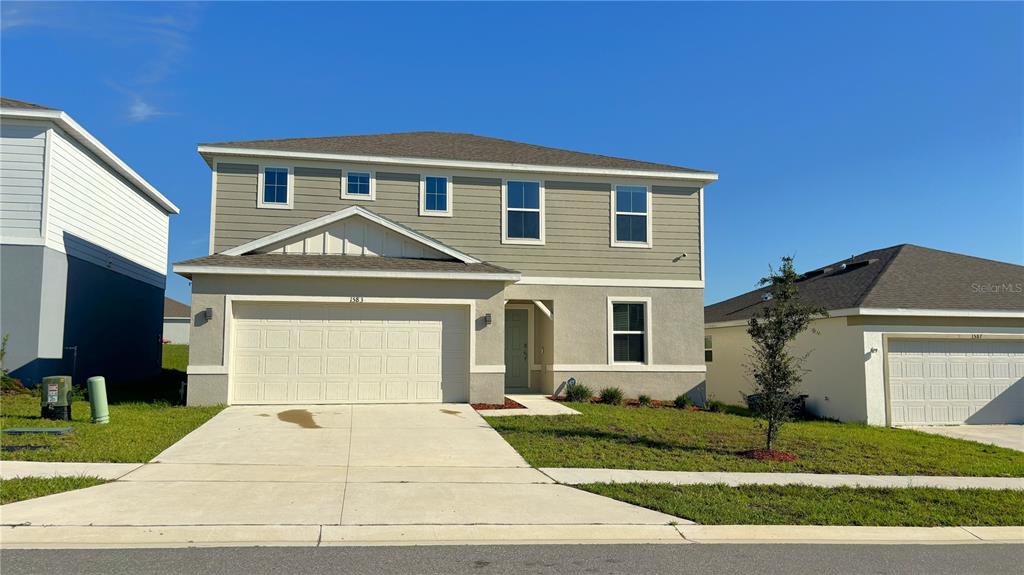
(857, 264)
(813, 273)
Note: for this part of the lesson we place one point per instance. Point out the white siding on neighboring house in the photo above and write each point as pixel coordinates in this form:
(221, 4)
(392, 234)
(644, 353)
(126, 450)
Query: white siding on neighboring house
(22, 159)
(176, 329)
(112, 224)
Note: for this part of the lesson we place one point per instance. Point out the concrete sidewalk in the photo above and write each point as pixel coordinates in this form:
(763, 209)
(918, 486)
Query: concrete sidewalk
(251, 472)
(534, 405)
(16, 469)
(578, 476)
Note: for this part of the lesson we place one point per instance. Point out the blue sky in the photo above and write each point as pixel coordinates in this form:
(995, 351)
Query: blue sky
(836, 128)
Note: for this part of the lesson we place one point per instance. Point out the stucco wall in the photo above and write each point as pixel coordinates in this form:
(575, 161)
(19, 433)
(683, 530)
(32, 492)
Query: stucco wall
(835, 378)
(207, 337)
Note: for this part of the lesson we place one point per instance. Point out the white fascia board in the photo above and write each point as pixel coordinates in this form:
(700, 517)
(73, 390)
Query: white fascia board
(903, 312)
(609, 282)
(872, 311)
(329, 219)
(95, 146)
(228, 270)
(437, 163)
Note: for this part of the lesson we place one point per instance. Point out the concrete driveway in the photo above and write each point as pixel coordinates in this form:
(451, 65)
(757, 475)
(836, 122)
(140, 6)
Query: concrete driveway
(1010, 436)
(363, 465)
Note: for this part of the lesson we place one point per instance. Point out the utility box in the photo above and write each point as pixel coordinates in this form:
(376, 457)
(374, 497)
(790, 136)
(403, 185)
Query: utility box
(56, 397)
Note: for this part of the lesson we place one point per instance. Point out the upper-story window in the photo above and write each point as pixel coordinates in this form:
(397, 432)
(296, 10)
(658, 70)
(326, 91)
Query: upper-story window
(359, 185)
(275, 187)
(524, 213)
(631, 217)
(435, 196)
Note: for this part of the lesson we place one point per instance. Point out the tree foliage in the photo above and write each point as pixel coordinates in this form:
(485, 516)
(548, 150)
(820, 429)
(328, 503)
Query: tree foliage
(775, 371)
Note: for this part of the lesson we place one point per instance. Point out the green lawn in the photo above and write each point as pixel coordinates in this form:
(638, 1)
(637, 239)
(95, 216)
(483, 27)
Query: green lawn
(143, 421)
(175, 357)
(12, 490)
(680, 440)
(803, 505)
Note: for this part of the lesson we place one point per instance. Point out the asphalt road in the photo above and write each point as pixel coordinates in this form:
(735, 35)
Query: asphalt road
(975, 559)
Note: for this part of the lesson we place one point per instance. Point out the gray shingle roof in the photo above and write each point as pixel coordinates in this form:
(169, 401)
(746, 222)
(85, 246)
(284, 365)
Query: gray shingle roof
(452, 146)
(899, 277)
(12, 103)
(343, 263)
(174, 308)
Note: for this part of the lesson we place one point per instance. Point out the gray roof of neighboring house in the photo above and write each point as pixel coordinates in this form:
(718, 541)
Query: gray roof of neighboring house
(12, 103)
(899, 277)
(174, 308)
(342, 263)
(452, 146)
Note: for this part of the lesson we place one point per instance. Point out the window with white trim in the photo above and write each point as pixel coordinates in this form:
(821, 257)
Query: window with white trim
(435, 196)
(524, 212)
(708, 353)
(631, 225)
(629, 332)
(359, 185)
(275, 185)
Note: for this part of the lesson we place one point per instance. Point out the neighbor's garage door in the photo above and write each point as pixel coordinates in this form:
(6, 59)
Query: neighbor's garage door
(352, 353)
(956, 381)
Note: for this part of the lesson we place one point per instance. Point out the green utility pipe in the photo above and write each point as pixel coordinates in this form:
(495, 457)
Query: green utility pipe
(98, 399)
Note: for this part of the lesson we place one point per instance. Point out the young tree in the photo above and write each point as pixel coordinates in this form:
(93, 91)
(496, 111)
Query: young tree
(775, 371)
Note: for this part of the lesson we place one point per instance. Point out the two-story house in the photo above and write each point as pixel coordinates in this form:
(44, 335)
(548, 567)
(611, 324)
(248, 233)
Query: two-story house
(83, 252)
(430, 266)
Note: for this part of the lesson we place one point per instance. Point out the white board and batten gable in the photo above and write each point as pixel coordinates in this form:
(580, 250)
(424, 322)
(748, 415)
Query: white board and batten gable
(354, 231)
(65, 190)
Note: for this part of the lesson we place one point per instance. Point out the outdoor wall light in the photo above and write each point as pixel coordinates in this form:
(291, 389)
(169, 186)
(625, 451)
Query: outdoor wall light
(208, 312)
(487, 319)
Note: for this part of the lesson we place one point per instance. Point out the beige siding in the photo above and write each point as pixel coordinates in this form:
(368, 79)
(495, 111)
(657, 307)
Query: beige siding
(578, 221)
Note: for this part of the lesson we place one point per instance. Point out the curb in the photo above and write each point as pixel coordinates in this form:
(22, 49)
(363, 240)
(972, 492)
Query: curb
(60, 537)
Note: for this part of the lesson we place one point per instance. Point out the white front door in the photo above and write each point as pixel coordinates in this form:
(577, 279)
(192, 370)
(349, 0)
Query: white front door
(348, 353)
(946, 382)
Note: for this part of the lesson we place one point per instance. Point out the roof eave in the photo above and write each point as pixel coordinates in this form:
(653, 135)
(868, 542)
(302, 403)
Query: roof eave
(892, 312)
(188, 271)
(209, 152)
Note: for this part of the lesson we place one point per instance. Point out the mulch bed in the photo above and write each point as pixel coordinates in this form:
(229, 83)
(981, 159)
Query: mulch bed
(657, 403)
(509, 404)
(765, 455)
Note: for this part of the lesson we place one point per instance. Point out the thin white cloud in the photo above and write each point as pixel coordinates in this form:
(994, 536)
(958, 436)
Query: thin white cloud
(141, 111)
(154, 38)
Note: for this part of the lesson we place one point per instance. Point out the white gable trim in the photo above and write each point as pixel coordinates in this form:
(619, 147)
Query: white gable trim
(95, 146)
(322, 221)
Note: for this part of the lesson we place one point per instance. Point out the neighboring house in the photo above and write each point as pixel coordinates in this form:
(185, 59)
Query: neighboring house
(915, 337)
(83, 252)
(429, 266)
(177, 321)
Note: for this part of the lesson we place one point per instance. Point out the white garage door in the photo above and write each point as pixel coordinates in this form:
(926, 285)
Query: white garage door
(937, 382)
(352, 353)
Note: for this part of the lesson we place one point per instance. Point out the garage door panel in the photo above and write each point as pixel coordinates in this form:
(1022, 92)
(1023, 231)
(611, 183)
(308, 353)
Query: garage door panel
(336, 390)
(939, 382)
(309, 353)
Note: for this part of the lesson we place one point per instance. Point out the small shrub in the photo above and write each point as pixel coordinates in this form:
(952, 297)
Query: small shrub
(644, 400)
(611, 395)
(715, 406)
(683, 401)
(578, 392)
